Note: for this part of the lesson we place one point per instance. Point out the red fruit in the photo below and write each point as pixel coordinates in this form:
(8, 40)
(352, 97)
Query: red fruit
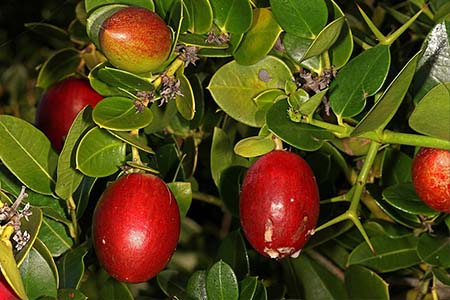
(279, 204)
(6, 292)
(431, 177)
(135, 39)
(59, 106)
(136, 225)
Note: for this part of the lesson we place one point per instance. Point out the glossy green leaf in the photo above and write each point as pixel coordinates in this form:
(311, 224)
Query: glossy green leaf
(70, 294)
(247, 288)
(183, 194)
(316, 281)
(196, 286)
(185, 103)
(81, 195)
(38, 272)
(9, 269)
(68, 178)
(396, 167)
(234, 86)
(162, 116)
(296, 47)
(297, 98)
(385, 108)
(123, 79)
(135, 141)
(93, 4)
(233, 16)
(61, 64)
(102, 87)
(376, 227)
(232, 251)
(432, 66)
(254, 146)
(71, 268)
(391, 254)
(32, 226)
(442, 274)
(434, 250)
(404, 197)
(120, 114)
(432, 114)
(266, 98)
(365, 284)
(99, 153)
(363, 76)
(48, 31)
(28, 154)
(200, 41)
(303, 18)
(179, 18)
(201, 14)
(301, 136)
(309, 107)
(342, 49)
(261, 292)
(55, 236)
(259, 39)
(172, 283)
(113, 289)
(326, 38)
(221, 282)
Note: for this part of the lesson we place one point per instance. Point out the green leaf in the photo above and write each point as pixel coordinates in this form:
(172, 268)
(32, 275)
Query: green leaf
(70, 294)
(71, 268)
(99, 153)
(124, 80)
(115, 290)
(385, 108)
(28, 154)
(121, 114)
(102, 87)
(39, 273)
(233, 16)
(200, 41)
(183, 194)
(404, 197)
(363, 76)
(61, 64)
(442, 274)
(162, 116)
(396, 167)
(234, 87)
(304, 18)
(232, 251)
(432, 66)
(32, 226)
(55, 236)
(93, 4)
(342, 49)
(221, 282)
(230, 187)
(82, 194)
(326, 38)
(10, 271)
(254, 146)
(434, 250)
(172, 283)
(432, 115)
(315, 281)
(49, 31)
(133, 140)
(391, 254)
(309, 107)
(185, 103)
(201, 15)
(68, 178)
(299, 135)
(259, 39)
(247, 288)
(196, 286)
(365, 284)
(296, 47)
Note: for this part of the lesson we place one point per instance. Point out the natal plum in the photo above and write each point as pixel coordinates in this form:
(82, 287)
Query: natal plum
(6, 292)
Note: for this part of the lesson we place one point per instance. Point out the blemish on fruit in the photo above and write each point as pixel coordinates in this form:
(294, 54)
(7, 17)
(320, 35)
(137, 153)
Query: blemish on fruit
(268, 231)
(271, 252)
(264, 75)
(296, 254)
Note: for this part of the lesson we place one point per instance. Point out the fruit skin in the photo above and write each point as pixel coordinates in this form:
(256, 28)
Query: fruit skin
(6, 292)
(279, 204)
(135, 39)
(136, 226)
(59, 106)
(431, 177)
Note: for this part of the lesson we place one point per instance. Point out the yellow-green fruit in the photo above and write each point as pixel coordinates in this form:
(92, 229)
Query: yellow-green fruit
(135, 39)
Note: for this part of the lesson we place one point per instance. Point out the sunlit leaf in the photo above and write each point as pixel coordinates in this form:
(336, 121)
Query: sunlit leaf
(221, 282)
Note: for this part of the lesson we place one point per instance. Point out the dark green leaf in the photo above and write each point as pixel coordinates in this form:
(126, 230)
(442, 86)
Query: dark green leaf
(123, 79)
(102, 87)
(342, 49)
(396, 167)
(61, 64)
(363, 76)
(221, 282)
(183, 194)
(196, 286)
(93, 4)
(201, 15)
(381, 227)
(133, 140)
(434, 250)
(385, 108)
(432, 115)
(391, 254)
(81, 195)
(71, 268)
(232, 251)
(230, 187)
(162, 116)
(28, 154)
(115, 290)
(99, 153)
(365, 284)
(70, 294)
(47, 31)
(310, 106)
(172, 283)
(185, 103)
(247, 288)
(443, 275)
(233, 16)
(296, 47)
(55, 236)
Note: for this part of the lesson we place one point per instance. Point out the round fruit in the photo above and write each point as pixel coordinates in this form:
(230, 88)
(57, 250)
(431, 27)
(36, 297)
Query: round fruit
(6, 292)
(135, 39)
(431, 177)
(279, 204)
(136, 225)
(59, 106)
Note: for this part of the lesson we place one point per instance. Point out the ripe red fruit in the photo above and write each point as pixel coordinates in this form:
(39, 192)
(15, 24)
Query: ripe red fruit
(6, 292)
(279, 204)
(136, 225)
(59, 106)
(135, 39)
(431, 177)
